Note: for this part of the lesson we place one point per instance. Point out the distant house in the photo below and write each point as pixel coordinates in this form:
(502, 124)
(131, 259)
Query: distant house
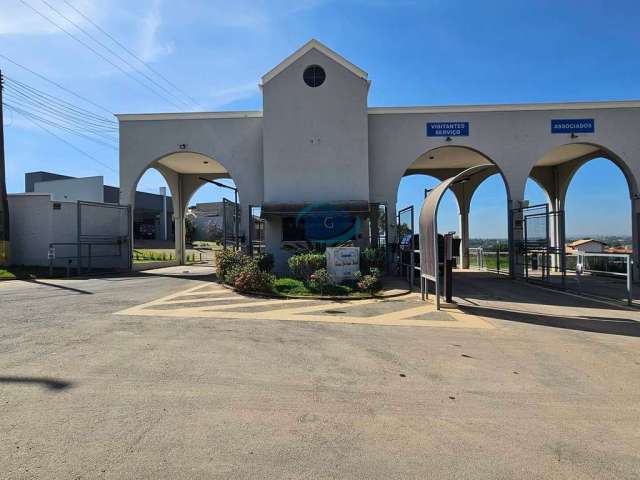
(208, 220)
(586, 245)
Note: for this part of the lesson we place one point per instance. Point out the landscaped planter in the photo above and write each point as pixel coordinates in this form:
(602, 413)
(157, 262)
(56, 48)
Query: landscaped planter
(354, 295)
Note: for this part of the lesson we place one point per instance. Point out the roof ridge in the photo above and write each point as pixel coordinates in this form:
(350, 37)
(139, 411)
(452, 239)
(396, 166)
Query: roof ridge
(322, 48)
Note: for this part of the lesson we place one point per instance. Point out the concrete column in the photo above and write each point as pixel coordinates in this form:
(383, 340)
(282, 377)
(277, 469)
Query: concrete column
(179, 208)
(464, 235)
(163, 215)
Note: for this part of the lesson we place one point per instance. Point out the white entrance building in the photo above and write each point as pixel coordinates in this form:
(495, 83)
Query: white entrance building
(318, 143)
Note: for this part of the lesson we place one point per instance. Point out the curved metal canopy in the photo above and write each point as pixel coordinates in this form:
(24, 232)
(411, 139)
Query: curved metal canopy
(428, 223)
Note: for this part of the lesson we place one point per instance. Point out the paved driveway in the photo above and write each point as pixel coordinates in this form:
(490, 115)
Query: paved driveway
(139, 377)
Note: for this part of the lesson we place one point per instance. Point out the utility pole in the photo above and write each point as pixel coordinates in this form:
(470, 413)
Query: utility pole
(4, 204)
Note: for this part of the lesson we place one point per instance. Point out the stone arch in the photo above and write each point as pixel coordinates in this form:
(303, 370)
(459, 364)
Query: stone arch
(556, 170)
(446, 161)
(181, 170)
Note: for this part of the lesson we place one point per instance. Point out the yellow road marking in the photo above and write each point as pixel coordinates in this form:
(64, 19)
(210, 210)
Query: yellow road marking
(214, 298)
(400, 317)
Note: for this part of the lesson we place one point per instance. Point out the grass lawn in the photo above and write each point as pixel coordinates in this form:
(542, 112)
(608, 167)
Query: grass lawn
(491, 261)
(290, 286)
(147, 255)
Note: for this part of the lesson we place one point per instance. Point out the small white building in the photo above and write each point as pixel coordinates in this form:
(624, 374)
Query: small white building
(586, 245)
(41, 226)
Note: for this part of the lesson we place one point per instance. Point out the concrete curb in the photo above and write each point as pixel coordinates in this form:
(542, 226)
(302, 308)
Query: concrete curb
(311, 297)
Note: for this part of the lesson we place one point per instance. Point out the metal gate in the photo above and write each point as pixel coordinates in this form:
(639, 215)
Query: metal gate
(543, 244)
(103, 240)
(230, 224)
(406, 252)
(256, 231)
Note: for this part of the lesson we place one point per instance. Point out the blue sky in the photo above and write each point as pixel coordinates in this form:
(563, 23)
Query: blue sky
(416, 53)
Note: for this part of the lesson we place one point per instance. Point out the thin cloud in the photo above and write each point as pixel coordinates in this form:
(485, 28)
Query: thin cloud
(150, 47)
(225, 96)
(24, 21)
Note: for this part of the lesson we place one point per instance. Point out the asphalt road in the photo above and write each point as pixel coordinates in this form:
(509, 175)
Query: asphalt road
(553, 391)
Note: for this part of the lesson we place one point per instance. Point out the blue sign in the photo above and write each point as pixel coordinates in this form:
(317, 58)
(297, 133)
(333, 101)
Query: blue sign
(447, 129)
(324, 224)
(572, 125)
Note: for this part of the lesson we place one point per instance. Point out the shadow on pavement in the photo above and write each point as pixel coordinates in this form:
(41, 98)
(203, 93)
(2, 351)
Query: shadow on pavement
(473, 285)
(49, 383)
(614, 326)
(62, 287)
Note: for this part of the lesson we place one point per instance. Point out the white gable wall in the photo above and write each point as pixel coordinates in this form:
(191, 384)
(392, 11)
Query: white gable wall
(315, 139)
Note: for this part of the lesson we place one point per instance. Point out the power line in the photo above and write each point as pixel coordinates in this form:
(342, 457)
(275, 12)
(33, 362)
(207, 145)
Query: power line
(151, 69)
(59, 107)
(52, 109)
(57, 100)
(64, 123)
(59, 125)
(115, 54)
(68, 143)
(42, 77)
(106, 59)
(60, 114)
(61, 121)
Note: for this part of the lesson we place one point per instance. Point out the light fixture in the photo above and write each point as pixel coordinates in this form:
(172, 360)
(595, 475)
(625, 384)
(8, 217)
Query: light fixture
(449, 139)
(182, 146)
(573, 135)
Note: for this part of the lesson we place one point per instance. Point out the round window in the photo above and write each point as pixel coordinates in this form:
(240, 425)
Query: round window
(314, 76)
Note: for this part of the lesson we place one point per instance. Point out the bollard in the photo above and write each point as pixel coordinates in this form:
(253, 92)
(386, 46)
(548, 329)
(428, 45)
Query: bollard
(629, 280)
(448, 267)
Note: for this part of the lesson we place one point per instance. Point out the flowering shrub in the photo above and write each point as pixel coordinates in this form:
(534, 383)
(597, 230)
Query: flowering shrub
(243, 272)
(369, 283)
(252, 279)
(320, 280)
(304, 264)
(229, 259)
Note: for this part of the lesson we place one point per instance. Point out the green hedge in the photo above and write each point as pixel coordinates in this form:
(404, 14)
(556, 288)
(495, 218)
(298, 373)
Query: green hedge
(303, 265)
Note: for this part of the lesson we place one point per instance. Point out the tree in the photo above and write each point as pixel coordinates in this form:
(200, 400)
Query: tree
(189, 229)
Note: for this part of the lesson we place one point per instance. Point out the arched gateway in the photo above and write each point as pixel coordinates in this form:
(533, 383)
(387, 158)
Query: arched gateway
(317, 142)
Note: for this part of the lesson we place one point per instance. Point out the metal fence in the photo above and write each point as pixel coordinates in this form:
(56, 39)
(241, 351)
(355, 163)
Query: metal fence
(230, 223)
(489, 260)
(103, 240)
(607, 275)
